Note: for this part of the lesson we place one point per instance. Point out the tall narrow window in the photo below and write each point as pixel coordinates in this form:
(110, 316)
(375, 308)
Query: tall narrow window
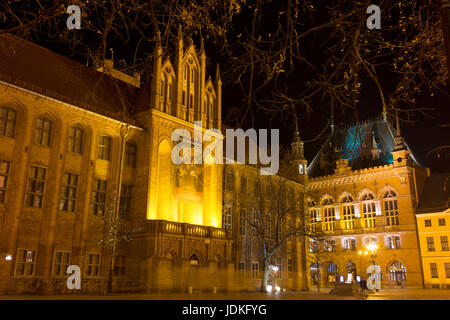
(68, 192)
(99, 197)
(255, 270)
(43, 132)
(290, 267)
(227, 218)
(289, 229)
(349, 213)
(444, 243)
(92, 265)
(130, 154)
(7, 121)
(390, 208)
(75, 141)
(369, 210)
(104, 146)
(119, 265)
(126, 198)
(36, 187)
(447, 269)
(279, 266)
(434, 270)
(430, 244)
(242, 221)
(4, 172)
(60, 263)
(328, 214)
(242, 268)
(243, 185)
(25, 262)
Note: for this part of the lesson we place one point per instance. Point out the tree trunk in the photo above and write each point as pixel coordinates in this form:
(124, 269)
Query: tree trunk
(265, 275)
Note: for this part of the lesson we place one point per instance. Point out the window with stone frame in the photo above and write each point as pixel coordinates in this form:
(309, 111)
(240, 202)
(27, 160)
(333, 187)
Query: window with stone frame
(430, 244)
(348, 213)
(227, 220)
(255, 270)
(130, 154)
(434, 270)
(60, 263)
(7, 122)
(35, 187)
(243, 221)
(391, 208)
(43, 132)
(368, 210)
(68, 192)
(444, 243)
(92, 265)
(104, 148)
(99, 193)
(290, 269)
(126, 201)
(75, 140)
(329, 217)
(25, 262)
(4, 173)
(119, 265)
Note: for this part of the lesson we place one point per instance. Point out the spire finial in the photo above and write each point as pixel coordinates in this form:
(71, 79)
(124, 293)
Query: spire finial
(296, 132)
(397, 122)
(218, 72)
(332, 124)
(202, 45)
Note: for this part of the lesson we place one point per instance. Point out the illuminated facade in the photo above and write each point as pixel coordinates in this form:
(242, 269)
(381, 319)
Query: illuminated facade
(79, 145)
(364, 187)
(433, 220)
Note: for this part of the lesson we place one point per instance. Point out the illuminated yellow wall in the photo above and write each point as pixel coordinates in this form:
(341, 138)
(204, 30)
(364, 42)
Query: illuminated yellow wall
(439, 256)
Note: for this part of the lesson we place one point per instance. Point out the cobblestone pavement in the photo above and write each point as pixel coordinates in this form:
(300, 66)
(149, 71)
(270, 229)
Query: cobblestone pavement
(383, 294)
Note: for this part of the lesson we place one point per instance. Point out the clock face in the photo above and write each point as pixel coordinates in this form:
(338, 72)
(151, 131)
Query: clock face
(300, 168)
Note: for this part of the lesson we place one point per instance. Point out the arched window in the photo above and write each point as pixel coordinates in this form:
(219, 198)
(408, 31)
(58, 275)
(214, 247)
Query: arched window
(349, 213)
(397, 272)
(194, 261)
(369, 210)
(390, 208)
(328, 214)
(7, 121)
(75, 141)
(43, 132)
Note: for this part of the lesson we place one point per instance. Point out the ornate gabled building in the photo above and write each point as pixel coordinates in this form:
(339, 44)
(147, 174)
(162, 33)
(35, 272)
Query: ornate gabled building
(87, 174)
(87, 179)
(364, 186)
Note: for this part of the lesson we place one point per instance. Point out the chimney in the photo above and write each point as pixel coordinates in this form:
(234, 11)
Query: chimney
(108, 68)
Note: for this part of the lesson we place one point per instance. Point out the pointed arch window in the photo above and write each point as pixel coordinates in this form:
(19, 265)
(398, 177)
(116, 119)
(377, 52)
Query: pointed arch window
(391, 208)
(43, 132)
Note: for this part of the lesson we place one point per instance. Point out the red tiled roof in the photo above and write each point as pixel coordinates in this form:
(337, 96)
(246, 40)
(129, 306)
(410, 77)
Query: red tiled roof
(27, 65)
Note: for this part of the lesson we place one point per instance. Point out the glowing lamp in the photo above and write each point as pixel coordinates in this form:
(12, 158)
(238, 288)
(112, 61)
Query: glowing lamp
(269, 288)
(8, 257)
(277, 289)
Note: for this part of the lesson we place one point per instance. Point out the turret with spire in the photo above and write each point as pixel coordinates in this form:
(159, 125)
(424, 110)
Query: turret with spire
(400, 154)
(298, 161)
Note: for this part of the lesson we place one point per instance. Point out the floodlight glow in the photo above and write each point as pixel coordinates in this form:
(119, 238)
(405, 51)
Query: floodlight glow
(269, 288)
(8, 257)
(277, 289)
